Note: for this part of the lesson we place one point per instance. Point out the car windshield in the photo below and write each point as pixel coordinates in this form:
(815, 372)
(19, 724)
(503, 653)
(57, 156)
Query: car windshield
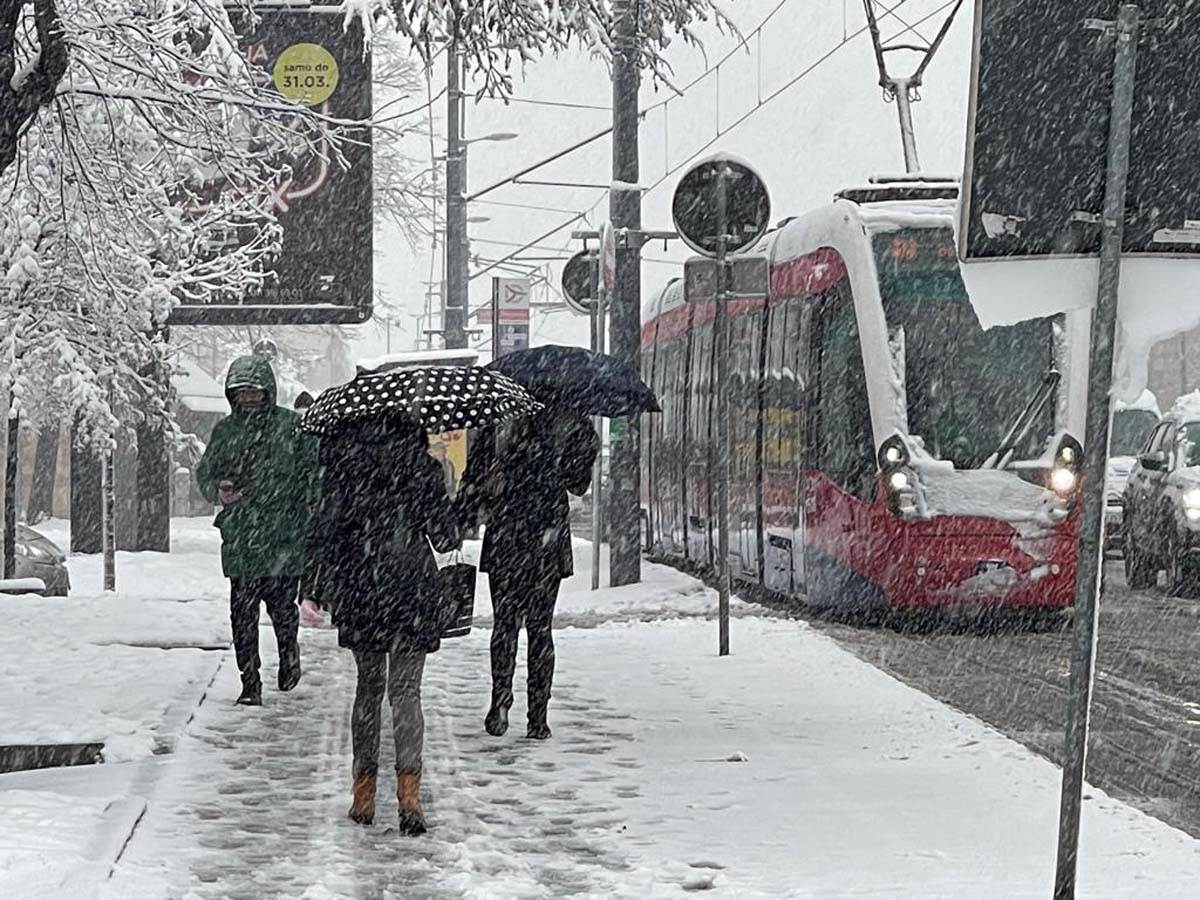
(1130, 430)
(1189, 444)
(964, 386)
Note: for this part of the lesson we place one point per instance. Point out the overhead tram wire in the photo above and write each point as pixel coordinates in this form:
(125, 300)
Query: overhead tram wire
(585, 214)
(792, 82)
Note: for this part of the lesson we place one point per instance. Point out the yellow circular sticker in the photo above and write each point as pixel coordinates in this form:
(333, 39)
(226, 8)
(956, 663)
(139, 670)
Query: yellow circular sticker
(306, 74)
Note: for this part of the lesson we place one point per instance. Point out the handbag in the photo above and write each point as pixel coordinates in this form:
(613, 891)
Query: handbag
(457, 611)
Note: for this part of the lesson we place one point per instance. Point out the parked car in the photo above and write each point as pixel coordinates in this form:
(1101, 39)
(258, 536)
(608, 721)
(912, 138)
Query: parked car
(1131, 427)
(1162, 505)
(40, 557)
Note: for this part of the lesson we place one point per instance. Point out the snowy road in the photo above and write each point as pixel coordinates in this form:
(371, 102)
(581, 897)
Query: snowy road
(1145, 744)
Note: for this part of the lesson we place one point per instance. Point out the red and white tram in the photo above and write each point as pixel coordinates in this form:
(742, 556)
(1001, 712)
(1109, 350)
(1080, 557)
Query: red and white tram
(886, 451)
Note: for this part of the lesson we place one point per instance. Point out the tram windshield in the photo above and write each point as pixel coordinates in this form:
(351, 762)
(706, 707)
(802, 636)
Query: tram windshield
(964, 386)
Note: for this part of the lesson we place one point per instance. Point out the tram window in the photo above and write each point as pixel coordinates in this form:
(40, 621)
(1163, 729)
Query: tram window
(841, 437)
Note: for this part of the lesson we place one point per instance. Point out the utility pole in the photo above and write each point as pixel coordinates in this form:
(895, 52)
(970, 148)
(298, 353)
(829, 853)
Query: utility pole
(625, 213)
(454, 298)
(1125, 29)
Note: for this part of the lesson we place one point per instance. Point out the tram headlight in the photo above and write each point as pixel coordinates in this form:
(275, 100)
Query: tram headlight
(1063, 481)
(898, 481)
(1064, 473)
(893, 454)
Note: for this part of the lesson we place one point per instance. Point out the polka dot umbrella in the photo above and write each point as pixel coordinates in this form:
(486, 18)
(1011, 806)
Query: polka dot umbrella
(441, 398)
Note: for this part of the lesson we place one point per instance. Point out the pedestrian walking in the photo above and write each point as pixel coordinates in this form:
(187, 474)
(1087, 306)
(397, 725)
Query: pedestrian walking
(519, 489)
(383, 503)
(261, 469)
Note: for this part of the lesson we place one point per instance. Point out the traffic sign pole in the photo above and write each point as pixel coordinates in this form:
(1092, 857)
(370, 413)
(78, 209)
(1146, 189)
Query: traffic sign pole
(721, 336)
(598, 343)
(1095, 455)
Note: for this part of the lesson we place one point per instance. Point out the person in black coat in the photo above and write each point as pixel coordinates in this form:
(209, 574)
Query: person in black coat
(518, 485)
(383, 501)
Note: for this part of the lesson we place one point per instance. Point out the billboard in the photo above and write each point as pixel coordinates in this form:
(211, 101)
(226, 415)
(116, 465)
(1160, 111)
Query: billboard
(1041, 83)
(323, 273)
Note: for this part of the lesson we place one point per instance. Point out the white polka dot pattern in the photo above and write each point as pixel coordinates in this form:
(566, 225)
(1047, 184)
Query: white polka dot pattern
(441, 398)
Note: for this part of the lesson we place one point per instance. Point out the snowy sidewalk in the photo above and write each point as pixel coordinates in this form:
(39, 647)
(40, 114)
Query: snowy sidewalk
(851, 785)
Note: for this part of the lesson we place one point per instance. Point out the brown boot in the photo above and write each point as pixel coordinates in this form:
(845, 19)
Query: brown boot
(362, 807)
(408, 792)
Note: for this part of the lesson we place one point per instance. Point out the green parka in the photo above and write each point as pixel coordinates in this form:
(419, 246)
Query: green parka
(273, 464)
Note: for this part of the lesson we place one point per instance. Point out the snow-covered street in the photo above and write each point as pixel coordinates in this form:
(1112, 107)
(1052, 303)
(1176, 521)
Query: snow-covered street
(790, 769)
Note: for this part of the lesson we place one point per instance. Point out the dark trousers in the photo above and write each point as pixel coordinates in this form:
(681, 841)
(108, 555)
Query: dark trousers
(528, 595)
(399, 672)
(279, 595)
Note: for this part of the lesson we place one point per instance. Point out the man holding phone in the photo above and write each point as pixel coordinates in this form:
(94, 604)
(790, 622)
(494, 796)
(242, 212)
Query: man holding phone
(262, 469)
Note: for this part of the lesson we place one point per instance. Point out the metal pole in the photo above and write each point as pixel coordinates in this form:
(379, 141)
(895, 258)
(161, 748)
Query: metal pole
(598, 313)
(1095, 454)
(12, 463)
(721, 337)
(495, 317)
(454, 298)
(908, 134)
(625, 213)
(108, 522)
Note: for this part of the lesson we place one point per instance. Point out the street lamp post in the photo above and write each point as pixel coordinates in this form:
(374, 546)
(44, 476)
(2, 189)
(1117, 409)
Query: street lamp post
(454, 318)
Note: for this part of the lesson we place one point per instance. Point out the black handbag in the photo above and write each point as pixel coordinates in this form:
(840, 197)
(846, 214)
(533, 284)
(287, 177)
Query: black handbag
(457, 612)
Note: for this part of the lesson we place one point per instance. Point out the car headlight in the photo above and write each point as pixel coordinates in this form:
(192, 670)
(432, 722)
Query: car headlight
(1062, 481)
(1190, 501)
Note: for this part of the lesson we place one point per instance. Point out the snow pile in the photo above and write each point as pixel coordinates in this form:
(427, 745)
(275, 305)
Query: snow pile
(1186, 408)
(108, 668)
(1145, 401)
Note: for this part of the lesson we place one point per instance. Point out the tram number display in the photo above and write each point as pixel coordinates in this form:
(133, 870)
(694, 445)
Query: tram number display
(917, 248)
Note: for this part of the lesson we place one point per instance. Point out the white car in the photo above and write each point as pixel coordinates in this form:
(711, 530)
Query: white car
(1131, 428)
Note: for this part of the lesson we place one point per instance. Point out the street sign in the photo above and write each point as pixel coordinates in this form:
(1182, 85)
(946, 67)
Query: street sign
(695, 206)
(510, 301)
(322, 199)
(1039, 126)
(608, 257)
(579, 286)
(748, 278)
(508, 315)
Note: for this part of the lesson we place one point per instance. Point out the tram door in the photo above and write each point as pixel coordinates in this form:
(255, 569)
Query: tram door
(783, 436)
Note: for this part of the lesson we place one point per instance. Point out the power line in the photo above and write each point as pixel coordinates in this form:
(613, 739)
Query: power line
(788, 86)
(556, 104)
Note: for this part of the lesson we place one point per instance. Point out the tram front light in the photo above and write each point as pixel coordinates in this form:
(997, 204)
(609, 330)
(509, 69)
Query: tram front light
(898, 482)
(1063, 481)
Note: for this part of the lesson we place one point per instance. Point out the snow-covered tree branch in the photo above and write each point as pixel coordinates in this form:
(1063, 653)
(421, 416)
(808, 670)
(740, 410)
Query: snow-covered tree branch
(498, 35)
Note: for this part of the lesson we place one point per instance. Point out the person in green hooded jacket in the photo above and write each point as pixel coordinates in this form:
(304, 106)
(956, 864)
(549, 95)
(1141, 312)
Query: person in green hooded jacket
(262, 469)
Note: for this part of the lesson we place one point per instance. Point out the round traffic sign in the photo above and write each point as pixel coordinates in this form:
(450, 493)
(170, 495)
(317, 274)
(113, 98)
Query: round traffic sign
(696, 206)
(608, 257)
(579, 282)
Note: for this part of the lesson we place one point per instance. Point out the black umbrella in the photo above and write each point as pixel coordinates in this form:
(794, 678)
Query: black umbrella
(441, 398)
(592, 383)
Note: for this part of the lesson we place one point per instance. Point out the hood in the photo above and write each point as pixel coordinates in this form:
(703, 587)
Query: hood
(251, 371)
(1117, 474)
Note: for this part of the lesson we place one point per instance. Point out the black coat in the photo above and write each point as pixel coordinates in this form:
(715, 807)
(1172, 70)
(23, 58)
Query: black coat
(517, 483)
(383, 499)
